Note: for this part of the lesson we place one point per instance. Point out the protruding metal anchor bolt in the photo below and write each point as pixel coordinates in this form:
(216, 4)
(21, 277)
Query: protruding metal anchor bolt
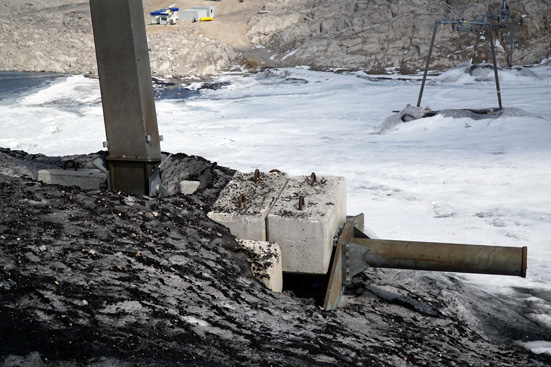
(256, 176)
(313, 179)
(75, 164)
(241, 200)
(301, 203)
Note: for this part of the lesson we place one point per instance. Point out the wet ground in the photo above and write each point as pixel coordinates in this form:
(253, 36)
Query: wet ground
(105, 278)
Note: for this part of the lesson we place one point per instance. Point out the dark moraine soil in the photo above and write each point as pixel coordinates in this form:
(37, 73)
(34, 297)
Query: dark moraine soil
(100, 278)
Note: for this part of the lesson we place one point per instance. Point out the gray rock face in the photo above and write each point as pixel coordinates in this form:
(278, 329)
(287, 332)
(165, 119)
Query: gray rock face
(56, 36)
(370, 35)
(378, 34)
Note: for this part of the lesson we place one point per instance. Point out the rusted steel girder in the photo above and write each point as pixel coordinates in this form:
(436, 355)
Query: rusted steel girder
(355, 252)
(127, 94)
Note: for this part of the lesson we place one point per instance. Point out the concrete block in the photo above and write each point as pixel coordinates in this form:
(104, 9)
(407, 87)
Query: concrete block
(265, 259)
(306, 236)
(189, 187)
(88, 179)
(248, 222)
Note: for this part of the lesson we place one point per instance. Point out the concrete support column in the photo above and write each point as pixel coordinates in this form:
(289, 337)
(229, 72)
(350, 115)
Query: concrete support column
(127, 93)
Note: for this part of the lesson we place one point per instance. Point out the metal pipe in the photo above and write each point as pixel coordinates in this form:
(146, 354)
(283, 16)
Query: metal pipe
(428, 63)
(495, 65)
(443, 257)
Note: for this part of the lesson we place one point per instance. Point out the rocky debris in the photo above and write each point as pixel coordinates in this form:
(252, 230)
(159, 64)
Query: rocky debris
(185, 53)
(97, 278)
(56, 36)
(375, 35)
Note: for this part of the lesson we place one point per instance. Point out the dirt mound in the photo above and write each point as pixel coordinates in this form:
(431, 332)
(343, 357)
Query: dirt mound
(106, 278)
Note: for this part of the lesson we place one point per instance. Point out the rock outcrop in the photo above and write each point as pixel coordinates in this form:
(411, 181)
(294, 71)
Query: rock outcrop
(42, 37)
(374, 35)
(370, 35)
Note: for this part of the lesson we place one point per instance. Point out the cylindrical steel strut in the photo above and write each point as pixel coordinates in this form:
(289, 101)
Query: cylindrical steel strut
(442, 257)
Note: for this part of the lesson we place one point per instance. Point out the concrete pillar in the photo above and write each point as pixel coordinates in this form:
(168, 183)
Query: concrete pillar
(304, 231)
(127, 93)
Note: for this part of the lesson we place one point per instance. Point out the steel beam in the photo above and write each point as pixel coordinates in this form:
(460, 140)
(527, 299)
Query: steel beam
(127, 93)
(436, 24)
(498, 89)
(339, 277)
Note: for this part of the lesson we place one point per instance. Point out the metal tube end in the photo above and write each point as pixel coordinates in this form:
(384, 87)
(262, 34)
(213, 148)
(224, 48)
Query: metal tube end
(524, 262)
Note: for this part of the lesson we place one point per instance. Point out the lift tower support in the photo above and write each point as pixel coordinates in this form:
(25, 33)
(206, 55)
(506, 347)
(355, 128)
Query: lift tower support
(463, 25)
(133, 140)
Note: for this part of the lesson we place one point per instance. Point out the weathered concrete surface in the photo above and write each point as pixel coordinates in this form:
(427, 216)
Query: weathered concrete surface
(85, 179)
(265, 259)
(306, 235)
(248, 221)
(95, 278)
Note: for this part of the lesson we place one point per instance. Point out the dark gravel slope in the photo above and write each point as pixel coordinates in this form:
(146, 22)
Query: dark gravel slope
(105, 278)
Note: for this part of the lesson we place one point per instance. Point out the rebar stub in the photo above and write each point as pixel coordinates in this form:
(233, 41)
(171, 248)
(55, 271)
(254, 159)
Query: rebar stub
(313, 179)
(241, 200)
(301, 203)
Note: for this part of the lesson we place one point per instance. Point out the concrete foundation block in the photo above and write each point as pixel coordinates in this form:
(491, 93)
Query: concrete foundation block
(248, 220)
(306, 236)
(88, 179)
(189, 187)
(265, 259)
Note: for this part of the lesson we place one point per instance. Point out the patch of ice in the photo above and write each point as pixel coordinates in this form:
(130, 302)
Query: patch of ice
(195, 321)
(536, 347)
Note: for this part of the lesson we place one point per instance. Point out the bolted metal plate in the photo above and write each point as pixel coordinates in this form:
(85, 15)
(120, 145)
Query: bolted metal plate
(337, 279)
